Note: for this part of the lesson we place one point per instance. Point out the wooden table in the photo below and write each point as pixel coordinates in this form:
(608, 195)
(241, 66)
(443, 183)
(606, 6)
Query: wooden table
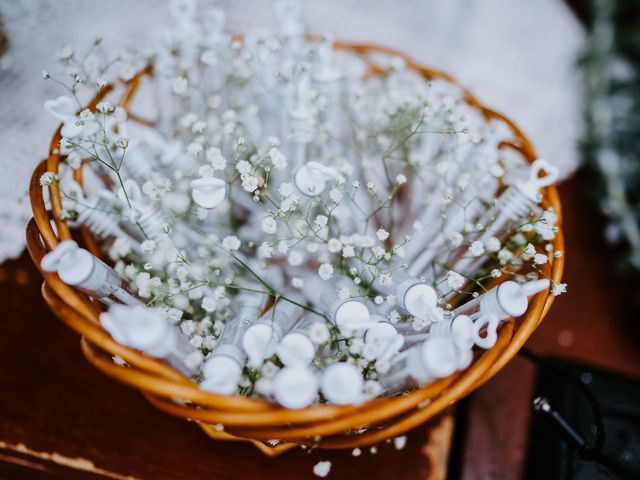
(60, 418)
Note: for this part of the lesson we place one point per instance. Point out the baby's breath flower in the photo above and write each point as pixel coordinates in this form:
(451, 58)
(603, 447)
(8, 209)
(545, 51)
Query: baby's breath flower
(202, 213)
(455, 280)
(334, 245)
(269, 225)
(289, 203)
(321, 469)
(492, 244)
(278, 159)
(243, 167)
(325, 271)
(209, 342)
(335, 195)
(400, 442)
(519, 239)
(318, 333)
(372, 388)
(249, 183)
(558, 288)
(456, 239)
(343, 293)
(65, 53)
(273, 141)
(476, 248)
(209, 304)
(194, 148)
(217, 161)
(540, 259)
(382, 366)
(87, 115)
(231, 243)
(419, 323)
(148, 247)
(47, 178)
(188, 327)
(199, 127)
(528, 252)
(295, 258)
(74, 160)
(179, 85)
(321, 221)
(382, 234)
(265, 250)
(356, 346)
(173, 314)
(283, 247)
(105, 108)
(348, 251)
(505, 255)
(285, 189)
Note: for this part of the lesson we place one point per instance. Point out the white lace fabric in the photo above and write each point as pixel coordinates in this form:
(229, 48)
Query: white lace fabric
(518, 56)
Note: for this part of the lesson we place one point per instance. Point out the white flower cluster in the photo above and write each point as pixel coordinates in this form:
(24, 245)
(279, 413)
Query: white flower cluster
(303, 230)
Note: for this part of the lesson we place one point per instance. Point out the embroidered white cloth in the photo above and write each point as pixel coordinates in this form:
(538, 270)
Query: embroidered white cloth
(516, 55)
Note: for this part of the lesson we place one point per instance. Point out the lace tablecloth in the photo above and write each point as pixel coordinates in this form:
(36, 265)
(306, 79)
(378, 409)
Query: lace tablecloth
(518, 56)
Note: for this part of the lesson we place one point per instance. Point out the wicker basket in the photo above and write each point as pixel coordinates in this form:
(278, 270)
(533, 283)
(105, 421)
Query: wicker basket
(235, 417)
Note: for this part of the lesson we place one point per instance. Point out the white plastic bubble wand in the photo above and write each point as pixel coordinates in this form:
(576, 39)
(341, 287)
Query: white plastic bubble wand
(297, 346)
(350, 314)
(97, 212)
(79, 268)
(223, 368)
(148, 330)
(513, 206)
(489, 310)
(261, 339)
(436, 357)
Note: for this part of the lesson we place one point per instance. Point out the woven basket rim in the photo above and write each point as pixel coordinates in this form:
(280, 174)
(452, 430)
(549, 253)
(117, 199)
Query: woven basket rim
(259, 419)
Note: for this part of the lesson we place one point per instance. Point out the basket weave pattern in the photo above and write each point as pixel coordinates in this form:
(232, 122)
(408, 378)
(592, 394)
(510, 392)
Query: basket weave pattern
(329, 426)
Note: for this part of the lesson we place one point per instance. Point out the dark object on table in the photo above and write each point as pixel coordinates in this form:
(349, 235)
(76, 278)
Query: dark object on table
(618, 399)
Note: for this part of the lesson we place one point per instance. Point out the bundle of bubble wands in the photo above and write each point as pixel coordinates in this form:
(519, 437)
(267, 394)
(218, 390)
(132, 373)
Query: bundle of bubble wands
(293, 227)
